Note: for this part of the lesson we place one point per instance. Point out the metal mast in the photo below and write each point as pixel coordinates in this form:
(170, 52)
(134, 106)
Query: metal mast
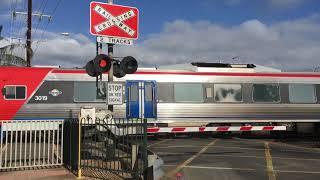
(110, 73)
(28, 48)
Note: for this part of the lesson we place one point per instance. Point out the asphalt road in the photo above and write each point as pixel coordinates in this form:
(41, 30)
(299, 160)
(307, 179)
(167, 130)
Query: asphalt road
(238, 158)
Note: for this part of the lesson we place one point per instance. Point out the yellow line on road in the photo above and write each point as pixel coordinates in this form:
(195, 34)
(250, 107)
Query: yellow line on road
(160, 142)
(178, 168)
(271, 173)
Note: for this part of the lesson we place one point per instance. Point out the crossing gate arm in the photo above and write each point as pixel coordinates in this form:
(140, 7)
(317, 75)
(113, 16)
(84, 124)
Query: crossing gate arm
(214, 129)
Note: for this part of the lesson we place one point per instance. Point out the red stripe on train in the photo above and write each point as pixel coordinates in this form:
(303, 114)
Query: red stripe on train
(58, 71)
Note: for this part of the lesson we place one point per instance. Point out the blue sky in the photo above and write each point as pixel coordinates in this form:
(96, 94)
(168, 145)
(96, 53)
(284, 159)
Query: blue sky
(268, 32)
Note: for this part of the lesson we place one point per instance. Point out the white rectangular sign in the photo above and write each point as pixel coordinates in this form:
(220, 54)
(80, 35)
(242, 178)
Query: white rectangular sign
(113, 40)
(115, 94)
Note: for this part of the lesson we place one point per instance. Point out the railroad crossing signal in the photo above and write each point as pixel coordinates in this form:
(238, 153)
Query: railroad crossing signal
(102, 63)
(113, 20)
(99, 65)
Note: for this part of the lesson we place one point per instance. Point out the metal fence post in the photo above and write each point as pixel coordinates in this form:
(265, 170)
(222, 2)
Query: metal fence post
(79, 149)
(145, 150)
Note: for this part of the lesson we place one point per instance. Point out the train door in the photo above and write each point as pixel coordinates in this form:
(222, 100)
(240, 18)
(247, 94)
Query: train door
(141, 99)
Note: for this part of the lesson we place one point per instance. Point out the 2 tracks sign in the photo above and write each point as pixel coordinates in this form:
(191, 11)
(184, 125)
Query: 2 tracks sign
(114, 21)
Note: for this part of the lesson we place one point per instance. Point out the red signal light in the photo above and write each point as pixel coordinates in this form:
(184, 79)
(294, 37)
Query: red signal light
(103, 63)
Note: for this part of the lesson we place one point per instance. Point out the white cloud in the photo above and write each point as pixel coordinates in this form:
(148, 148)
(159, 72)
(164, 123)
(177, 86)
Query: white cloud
(289, 45)
(73, 51)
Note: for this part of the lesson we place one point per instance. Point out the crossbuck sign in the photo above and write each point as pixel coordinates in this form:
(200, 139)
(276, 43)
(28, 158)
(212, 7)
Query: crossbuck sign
(113, 20)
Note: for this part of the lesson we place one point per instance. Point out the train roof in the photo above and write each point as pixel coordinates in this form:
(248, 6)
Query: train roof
(219, 67)
(68, 73)
(187, 69)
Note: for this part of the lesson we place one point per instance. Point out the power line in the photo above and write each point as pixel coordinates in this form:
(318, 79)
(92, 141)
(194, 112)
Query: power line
(44, 30)
(54, 10)
(18, 31)
(39, 9)
(29, 15)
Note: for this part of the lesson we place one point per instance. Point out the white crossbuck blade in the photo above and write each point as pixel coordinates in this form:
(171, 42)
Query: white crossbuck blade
(111, 20)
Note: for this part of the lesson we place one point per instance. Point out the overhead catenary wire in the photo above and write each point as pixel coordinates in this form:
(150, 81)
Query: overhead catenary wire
(20, 33)
(44, 4)
(53, 12)
(12, 24)
(55, 9)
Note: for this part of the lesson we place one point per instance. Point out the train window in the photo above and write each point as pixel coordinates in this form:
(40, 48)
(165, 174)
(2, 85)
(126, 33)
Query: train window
(302, 93)
(15, 92)
(227, 92)
(208, 92)
(87, 92)
(188, 92)
(134, 93)
(148, 92)
(165, 92)
(266, 93)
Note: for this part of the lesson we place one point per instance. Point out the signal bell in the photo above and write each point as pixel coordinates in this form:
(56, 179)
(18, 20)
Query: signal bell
(100, 64)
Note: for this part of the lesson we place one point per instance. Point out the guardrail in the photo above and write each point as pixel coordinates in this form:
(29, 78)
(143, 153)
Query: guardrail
(31, 143)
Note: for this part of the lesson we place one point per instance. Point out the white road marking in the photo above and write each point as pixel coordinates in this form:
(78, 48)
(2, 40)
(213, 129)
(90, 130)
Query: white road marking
(177, 169)
(242, 169)
(278, 143)
(160, 142)
(220, 168)
(302, 172)
(191, 146)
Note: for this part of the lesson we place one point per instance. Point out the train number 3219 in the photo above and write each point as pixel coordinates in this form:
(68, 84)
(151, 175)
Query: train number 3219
(41, 98)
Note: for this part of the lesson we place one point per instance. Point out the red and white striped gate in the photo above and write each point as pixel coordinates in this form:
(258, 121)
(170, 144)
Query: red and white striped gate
(214, 129)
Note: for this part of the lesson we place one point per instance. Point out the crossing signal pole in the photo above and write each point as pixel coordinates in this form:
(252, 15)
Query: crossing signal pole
(110, 54)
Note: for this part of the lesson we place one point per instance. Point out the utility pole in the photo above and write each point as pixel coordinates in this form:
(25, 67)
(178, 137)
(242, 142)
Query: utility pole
(29, 15)
(110, 73)
(28, 48)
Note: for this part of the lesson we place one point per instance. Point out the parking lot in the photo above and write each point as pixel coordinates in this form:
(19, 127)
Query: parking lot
(237, 158)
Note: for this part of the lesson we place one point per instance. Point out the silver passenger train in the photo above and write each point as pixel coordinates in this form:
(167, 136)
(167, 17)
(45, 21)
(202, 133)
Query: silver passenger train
(200, 94)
